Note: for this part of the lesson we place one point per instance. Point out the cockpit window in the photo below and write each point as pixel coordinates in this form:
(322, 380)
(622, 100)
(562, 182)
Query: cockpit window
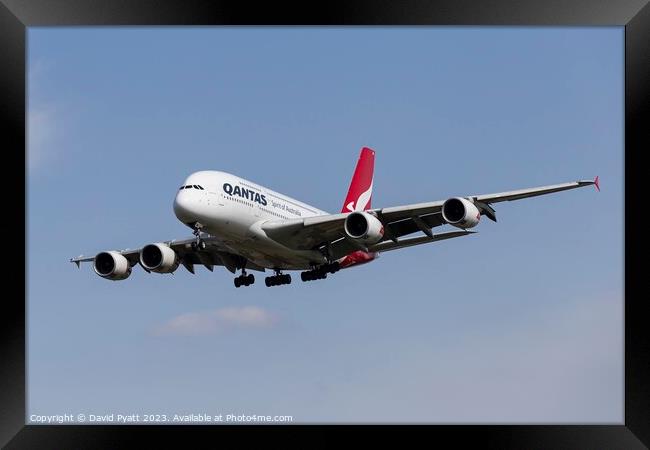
(195, 186)
(182, 187)
(201, 187)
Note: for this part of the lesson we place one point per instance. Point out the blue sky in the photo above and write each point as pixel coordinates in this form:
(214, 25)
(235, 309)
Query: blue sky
(522, 322)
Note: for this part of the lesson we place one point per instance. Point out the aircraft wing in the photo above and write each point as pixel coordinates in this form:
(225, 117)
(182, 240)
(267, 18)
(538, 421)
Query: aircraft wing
(419, 209)
(215, 254)
(327, 231)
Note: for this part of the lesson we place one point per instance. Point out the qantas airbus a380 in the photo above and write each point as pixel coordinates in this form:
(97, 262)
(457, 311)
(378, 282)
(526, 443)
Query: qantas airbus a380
(244, 226)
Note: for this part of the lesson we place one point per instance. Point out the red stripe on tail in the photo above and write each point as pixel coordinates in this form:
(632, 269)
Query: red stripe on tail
(360, 192)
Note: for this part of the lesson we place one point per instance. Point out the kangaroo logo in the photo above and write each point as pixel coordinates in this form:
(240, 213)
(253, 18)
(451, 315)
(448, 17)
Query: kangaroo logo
(362, 201)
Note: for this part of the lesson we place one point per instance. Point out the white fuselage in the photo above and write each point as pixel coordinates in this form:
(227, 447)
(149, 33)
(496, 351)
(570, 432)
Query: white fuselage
(232, 209)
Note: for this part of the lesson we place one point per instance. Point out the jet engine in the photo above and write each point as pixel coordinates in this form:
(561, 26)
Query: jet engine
(460, 213)
(159, 258)
(363, 227)
(112, 266)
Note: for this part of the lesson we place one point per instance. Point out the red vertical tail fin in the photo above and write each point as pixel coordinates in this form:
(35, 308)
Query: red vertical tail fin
(360, 191)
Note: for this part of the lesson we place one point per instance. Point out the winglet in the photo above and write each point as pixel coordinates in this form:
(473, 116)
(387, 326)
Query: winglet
(597, 183)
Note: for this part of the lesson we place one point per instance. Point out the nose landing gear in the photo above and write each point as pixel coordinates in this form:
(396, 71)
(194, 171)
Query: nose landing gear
(199, 244)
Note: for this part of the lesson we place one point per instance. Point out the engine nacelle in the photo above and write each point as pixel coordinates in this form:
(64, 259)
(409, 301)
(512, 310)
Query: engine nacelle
(363, 227)
(112, 266)
(159, 258)
(460, 213)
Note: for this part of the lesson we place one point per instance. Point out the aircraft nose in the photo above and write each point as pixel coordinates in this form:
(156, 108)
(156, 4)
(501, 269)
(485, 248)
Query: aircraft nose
(183, 207)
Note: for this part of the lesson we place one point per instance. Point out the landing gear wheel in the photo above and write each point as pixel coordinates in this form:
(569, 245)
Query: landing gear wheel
(278, 279)
(319, 273)
(200, 245)
(333, 267)
(244, 280)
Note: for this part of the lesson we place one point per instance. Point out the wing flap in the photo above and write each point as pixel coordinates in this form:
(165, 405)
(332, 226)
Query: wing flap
(342, 247)
(387, 246)
(409, 225)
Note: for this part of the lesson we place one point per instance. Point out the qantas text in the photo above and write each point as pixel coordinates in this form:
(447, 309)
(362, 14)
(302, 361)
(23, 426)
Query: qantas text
(248, 194)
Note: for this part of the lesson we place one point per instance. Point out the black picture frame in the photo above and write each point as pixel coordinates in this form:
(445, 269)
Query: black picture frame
(634, 15)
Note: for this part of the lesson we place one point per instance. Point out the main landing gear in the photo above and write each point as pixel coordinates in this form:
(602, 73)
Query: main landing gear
(199, 244)
(244, 280)
(278, 279)
(320, 272)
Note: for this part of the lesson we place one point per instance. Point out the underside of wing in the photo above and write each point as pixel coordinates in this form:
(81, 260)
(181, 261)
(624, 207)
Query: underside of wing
(214, 254)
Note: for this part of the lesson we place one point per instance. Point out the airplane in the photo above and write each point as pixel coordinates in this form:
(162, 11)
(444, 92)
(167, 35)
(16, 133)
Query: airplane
(241, 225)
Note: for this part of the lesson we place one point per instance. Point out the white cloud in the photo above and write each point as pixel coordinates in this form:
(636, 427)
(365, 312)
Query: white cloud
(41, 132)
(217, 321)
(43, 126)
